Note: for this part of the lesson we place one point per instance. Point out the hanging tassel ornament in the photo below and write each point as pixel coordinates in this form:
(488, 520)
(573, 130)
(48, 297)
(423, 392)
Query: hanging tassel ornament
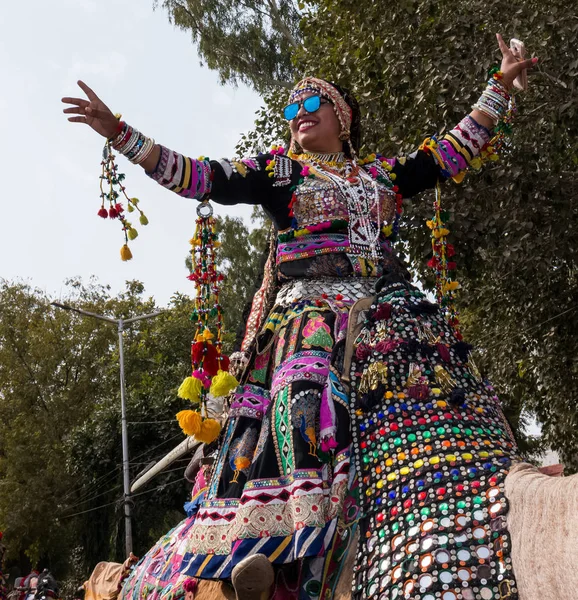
(112, 192)
(210, 367)
(442, 266)
(441, 261)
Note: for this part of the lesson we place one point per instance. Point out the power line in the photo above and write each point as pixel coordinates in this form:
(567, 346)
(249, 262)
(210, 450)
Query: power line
(83, 512)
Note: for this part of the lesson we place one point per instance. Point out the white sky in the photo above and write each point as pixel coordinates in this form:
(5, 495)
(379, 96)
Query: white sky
(139, 65)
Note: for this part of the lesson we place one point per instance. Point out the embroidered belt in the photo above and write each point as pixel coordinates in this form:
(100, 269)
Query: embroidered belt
(351, 288)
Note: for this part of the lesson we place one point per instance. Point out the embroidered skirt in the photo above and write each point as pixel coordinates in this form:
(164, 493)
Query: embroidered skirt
(281, 478)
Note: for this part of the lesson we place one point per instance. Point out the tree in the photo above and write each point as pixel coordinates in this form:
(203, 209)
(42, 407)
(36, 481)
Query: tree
(248, 41)
(417, 67)
(60, 457)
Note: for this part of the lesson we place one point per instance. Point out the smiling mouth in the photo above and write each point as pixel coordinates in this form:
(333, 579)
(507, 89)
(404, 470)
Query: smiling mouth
(306, 125)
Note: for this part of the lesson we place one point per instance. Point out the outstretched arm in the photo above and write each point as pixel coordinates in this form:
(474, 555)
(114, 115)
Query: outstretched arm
(248, 181)
(452, 154)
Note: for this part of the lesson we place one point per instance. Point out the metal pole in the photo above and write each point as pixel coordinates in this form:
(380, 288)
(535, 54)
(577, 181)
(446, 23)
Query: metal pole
(127, 502)
(125, 463)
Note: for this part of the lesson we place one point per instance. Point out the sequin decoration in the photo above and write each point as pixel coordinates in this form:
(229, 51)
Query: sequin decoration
(431, 463)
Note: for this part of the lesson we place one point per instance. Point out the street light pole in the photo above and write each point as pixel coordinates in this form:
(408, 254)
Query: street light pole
(120, 323)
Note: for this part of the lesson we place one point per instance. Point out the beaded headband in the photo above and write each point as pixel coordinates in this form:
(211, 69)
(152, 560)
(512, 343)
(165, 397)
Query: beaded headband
(342, 109)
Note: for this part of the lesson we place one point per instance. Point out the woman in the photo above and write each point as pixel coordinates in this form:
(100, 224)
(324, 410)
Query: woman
(282, 491)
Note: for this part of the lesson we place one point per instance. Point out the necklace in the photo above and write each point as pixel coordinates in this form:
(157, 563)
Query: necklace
(353, 183)
(331, 159)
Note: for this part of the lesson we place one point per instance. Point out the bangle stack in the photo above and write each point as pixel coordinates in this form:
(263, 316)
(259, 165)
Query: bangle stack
(132, 144)
(495, 99)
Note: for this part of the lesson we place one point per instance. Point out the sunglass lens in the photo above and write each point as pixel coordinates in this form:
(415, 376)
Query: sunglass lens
(291, 110)
(312, 103)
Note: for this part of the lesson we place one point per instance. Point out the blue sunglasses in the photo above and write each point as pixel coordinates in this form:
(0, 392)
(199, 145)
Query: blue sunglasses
(310, 104)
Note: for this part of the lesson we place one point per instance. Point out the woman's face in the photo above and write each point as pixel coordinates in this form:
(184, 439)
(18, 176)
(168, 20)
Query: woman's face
(318, 131)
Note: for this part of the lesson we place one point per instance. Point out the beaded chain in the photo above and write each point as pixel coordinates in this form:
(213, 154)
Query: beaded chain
(441, 249)
(112, 178)
(210, 366)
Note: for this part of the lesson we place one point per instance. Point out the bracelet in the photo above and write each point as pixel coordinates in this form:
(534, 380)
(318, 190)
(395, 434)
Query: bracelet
(133, 144)
(494, 99)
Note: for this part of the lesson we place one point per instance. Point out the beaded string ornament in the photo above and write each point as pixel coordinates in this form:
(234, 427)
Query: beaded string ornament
(210, 375)
(442, 250)
(111, 191)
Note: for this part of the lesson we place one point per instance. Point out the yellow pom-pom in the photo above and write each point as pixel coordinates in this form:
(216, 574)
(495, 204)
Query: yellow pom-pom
(476, 163)
(190, 389)
(134, 200)
(190, 421)
(387, 230)
(207, 335)
(209, 431)
(130, 208)
(450, 286)
(438, 233)
(430, 224)
(125, 253)
(223, 383)
(143, 219)
(132, 233)
(393, 176)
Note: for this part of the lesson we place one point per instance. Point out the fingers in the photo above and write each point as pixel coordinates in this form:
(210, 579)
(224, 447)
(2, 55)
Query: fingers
(90, 94)
(503, 48)
(78, 120)
(77, 101)
(528, 64)
(74, 110)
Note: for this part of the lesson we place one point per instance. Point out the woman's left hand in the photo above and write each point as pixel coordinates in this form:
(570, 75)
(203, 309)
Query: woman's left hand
(511, 66)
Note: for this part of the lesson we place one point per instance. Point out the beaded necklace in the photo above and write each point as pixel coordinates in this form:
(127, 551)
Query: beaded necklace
(351, 181)
(330, 159)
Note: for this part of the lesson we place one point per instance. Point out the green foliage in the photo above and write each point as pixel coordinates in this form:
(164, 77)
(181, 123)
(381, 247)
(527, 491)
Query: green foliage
(416, 68)
(60, 445)
(249, 41)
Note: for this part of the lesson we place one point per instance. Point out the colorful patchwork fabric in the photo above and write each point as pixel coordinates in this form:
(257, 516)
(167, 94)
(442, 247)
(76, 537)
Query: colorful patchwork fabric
(430, 446)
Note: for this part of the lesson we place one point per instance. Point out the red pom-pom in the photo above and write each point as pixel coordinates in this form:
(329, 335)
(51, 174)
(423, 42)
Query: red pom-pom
(112, 213)
(210, 362)
(224, 362)
(383, 312)
(443, 352)
(197, 352)
(119, 208)
(103, 213)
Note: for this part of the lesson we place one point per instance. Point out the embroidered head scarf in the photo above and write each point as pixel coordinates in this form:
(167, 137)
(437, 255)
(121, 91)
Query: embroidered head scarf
(344, 104)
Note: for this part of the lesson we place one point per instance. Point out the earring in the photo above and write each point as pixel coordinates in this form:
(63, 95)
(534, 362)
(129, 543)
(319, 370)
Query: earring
(344, 135)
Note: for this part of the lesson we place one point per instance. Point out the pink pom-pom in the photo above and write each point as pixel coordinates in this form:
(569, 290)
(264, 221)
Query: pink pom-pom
(328, 444)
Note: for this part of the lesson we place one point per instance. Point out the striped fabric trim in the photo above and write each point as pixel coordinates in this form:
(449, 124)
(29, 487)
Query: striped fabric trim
(461, 145)
(307, 542)
(185, 176)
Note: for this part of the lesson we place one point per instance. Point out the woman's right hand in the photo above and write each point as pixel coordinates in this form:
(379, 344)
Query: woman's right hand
(94, 112)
